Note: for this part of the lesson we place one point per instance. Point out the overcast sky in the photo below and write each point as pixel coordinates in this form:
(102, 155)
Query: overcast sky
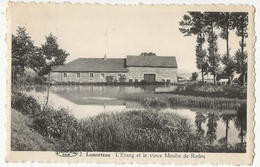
(92, 31)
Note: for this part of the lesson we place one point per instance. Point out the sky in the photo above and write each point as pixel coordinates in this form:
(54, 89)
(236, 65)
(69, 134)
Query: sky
(117, 31)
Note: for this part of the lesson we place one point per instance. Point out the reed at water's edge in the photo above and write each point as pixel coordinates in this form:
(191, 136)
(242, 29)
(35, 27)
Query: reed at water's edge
(215, 91)
(173, 100)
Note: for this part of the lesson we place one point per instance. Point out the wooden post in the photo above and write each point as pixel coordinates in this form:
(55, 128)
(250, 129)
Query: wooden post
(227, 122)
(48, 90)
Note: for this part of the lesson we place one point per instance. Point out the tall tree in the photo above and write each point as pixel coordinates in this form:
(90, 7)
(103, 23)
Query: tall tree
(37, 61)
(225, 22)
(213, 56)
(193, 24)
(22, 49)
(229, 67)
(241, 23)
(194, 76)
(48, 56)
(201, 56)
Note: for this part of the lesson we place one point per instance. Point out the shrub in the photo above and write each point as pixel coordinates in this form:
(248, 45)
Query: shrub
(56, 123)
(122, 78)
(36, 80)
(110, 79)
(210, 90)
(39, 80)
(26, 104)
(29, 80)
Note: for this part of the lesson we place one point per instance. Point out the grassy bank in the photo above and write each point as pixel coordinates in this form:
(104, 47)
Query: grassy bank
(24, 138)
(216, 91)
(173, 100)
(148, 131)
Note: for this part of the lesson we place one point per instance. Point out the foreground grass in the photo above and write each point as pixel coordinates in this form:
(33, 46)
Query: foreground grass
(146, 131)
(172, 100)
(137, 131)
(23, 138)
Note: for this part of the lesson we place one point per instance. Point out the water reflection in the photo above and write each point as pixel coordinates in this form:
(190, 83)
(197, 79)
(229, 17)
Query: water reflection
(240, 122)
(91, 94)
(226, 118)
(213, 126)
(105, 88)
(216, 126)
(199, 119)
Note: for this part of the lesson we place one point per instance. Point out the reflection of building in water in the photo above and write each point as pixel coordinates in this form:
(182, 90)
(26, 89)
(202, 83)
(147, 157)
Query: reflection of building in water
(130, 69)
(94, 95)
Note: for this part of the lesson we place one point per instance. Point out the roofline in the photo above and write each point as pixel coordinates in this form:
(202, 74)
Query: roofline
(174, 57)
(153, 66)
(90, 71)
(98, 58)
(150, 56)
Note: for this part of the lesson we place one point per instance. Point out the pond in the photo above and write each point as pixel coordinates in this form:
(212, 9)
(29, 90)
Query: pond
(89, 100)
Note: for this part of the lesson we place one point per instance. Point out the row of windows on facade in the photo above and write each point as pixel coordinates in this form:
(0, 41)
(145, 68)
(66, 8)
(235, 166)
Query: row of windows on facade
(91, 75)
(102, 75)
(163, 80)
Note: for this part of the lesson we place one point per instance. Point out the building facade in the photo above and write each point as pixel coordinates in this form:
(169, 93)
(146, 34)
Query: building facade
(131, 69)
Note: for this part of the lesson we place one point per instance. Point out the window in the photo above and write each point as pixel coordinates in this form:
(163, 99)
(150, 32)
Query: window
(130, 80)
(102, 75)
(136, 80)
(91, 75)
(78, 75)
(168, 80)
(149, 77)
(65, 75)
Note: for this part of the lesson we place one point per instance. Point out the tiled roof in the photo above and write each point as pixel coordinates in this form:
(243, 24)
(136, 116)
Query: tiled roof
(116, 65)
(94, 65)
(151, 61)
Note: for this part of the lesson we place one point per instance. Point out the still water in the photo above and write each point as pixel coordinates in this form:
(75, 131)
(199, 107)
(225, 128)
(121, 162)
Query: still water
(88, 101)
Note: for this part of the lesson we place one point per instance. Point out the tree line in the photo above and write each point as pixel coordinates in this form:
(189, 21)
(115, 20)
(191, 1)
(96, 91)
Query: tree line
(40, 59)
(203, 25)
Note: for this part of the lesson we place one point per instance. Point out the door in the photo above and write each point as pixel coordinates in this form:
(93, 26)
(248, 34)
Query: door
(149, 77)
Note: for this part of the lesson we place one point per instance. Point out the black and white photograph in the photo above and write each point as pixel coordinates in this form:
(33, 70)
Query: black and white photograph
(124, 79)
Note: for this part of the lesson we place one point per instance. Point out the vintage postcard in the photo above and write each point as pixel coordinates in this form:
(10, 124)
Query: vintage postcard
(130, 84)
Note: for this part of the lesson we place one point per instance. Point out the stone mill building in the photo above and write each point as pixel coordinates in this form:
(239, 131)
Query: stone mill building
(132, 68)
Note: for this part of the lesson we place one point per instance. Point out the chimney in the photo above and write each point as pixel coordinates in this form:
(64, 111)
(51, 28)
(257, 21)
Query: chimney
(105, 57)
